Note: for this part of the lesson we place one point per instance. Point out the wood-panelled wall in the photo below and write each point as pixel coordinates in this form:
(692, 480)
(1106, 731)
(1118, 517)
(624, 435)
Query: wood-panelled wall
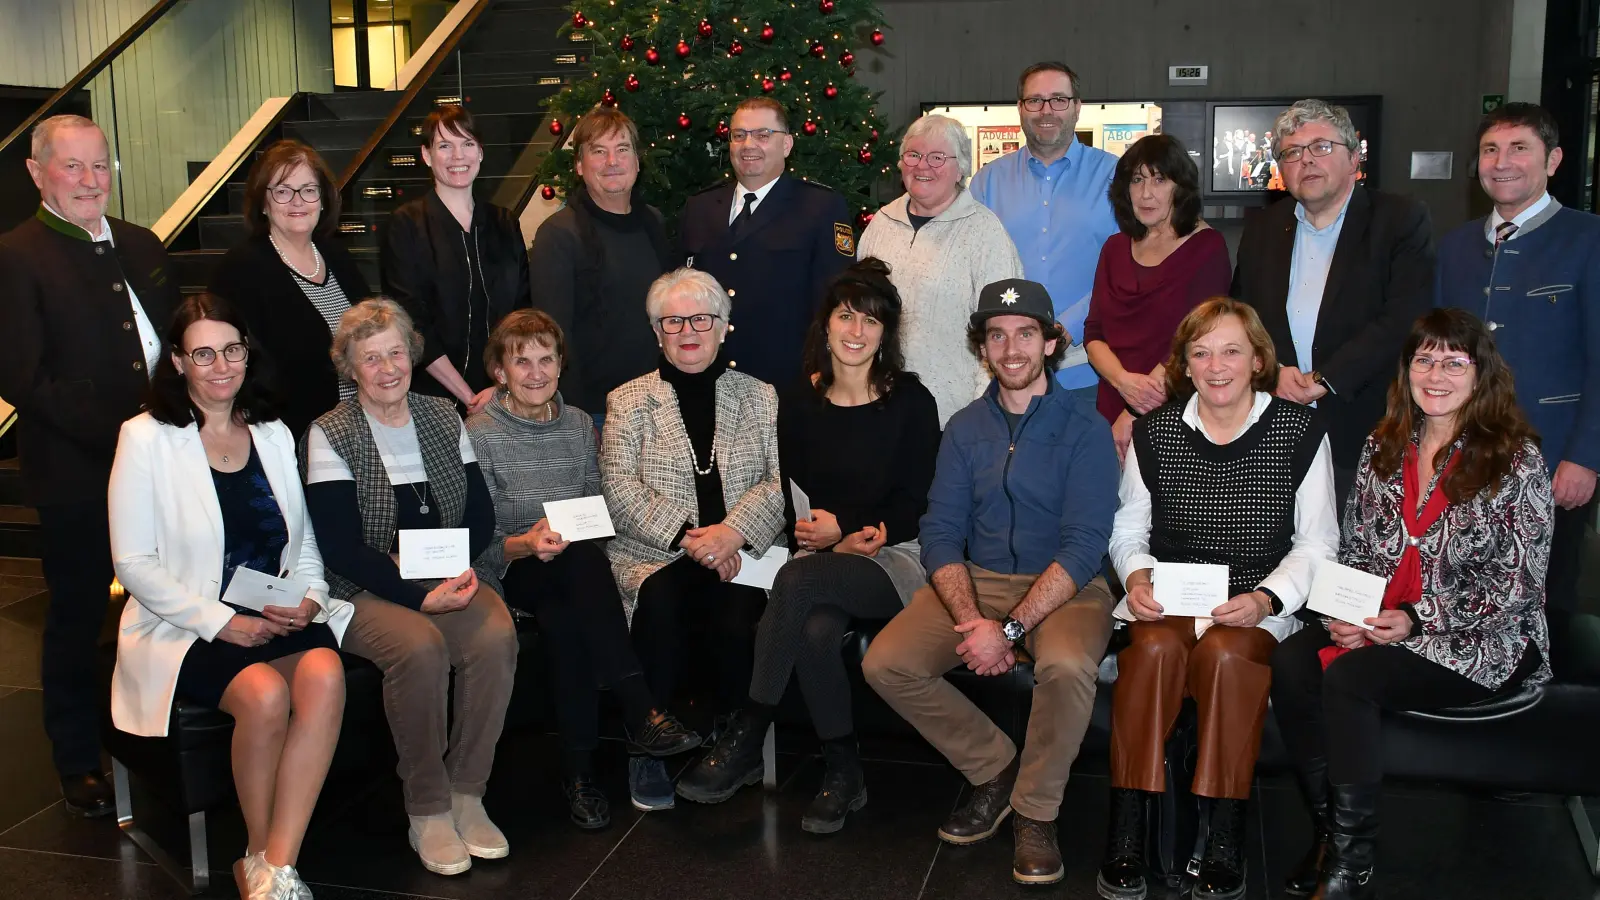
(45, 42)
(1430, 59)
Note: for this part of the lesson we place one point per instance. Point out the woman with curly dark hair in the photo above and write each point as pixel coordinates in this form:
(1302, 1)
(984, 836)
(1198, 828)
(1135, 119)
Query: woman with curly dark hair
(859, 435)
(1452, 505)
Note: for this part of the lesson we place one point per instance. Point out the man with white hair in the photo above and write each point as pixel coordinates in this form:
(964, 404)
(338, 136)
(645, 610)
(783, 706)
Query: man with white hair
(83, 300)
(1052, 196)
(1337, 275)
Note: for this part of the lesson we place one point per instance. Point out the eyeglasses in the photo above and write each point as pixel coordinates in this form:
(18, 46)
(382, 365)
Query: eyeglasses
(1454, 366)
(205, 356)
(674, 324)
(759, 135)
(1317, 148)
(283, 193)
(1034, 104)
(934, 160)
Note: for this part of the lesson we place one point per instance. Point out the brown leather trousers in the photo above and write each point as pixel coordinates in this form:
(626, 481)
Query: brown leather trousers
(1228, 672)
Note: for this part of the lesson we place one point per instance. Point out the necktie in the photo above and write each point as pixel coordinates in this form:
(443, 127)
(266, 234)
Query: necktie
(743, 219)
(1503, 232)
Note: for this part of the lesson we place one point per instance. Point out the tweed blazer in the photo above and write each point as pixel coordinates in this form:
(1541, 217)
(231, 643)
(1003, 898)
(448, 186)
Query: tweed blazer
(647, 475)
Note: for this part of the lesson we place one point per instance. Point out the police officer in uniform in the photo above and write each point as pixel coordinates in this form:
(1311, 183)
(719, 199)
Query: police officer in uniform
(771, 240)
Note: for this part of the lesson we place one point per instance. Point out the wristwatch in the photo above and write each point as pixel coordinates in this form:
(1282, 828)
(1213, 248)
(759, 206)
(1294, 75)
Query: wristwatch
(1277, 605)
(1012, 629)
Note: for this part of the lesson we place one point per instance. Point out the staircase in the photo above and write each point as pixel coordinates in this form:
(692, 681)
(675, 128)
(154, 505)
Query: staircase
(19, 525)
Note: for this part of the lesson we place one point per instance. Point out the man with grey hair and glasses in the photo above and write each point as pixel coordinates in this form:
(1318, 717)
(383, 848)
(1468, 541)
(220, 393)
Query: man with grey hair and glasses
(83, 300)
(1337, 272)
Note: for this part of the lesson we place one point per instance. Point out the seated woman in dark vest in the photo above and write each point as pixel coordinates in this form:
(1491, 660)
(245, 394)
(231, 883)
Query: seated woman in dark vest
(1224, 474)
(376, 465)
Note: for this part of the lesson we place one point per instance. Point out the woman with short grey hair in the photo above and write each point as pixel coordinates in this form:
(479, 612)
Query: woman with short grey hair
(942, 247)
(689, 468)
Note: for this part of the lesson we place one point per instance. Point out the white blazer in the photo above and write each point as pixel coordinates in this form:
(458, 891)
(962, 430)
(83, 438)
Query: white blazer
(166, 545)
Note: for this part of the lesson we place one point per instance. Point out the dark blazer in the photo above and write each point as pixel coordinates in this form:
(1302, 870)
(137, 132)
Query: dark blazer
(1380, 281)
(426, 270)
(72, 362)
(775, 269)
(284, 327)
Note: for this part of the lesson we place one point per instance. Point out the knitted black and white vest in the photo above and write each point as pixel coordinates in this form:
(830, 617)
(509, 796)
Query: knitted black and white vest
(1231, 504)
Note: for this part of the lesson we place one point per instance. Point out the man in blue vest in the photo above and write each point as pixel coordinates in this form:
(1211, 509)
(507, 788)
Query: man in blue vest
(1531, 271)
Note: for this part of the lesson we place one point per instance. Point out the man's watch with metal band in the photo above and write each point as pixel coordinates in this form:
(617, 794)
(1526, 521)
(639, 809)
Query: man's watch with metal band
(1277, 605)
(1012, 629)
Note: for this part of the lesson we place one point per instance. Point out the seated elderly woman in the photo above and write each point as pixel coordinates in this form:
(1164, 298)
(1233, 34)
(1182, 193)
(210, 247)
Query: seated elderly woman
(1224, 474)
(1452, 506)
(860, 435)
(204, 486)
(534, 449)
(942, 247)
(377, 466)
(689, 466)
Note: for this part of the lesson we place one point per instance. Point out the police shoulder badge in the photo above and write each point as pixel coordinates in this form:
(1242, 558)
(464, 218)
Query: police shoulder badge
(844, 239)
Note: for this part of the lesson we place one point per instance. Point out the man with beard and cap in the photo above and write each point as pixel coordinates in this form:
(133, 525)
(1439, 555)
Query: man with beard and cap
(773, 241)
(83, 301)
(1019, 517)
(1052, 196)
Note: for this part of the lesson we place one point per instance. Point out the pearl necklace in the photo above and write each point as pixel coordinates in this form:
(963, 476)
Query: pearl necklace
(315, 273)
(710, 463)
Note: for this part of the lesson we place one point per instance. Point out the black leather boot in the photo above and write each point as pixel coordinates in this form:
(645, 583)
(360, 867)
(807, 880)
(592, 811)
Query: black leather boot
(988, 806)
(1313, 779)
(733, 762)
(1122, 874)
(844, 789)
(586, 803)
(1222, 868)
(1353, 850)
(661, 734)
(89, 795)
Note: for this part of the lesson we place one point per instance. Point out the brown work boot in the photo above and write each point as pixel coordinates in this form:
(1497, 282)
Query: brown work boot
(1037, 858)
(988, 806)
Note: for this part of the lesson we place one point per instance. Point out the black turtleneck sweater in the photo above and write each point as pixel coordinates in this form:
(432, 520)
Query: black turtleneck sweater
(697, 404)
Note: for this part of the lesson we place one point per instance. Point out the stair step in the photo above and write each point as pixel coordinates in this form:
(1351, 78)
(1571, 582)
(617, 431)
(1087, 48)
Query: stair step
(332, 133)
(15, 514)
(193, 268)
(353, 104)
(27, 567)
(10, 482)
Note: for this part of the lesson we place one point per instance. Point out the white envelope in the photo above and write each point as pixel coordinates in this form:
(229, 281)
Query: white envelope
(802, 502)
(1189, 589)
(760, 571)
(580, 519)
(1349, 595)
(434, 552)
(250, 589)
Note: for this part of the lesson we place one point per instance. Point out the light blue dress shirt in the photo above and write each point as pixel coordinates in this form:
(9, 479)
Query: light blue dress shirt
(1308, 278)
(1058, 215)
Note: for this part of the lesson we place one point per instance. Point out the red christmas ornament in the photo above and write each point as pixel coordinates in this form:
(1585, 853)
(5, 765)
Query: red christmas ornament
(874, 134)
(847, 59)
(704, 28)
(683, 121)
(864, 155)
(608, 98)
(863, 219)
(785, 75)
(556, 127)
(768, 33)
(830, 92)
(826, 6)
(818, 50)
(632, 84)
(626, 43)
(683, 49)
(722, 130)
(768, 85)
(877, 38)
(579, 20)
(735, 48)
(652, 56)
(810, 128)
(547, 192)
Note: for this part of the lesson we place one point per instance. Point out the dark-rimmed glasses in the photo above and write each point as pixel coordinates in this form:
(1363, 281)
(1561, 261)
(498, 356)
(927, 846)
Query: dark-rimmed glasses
(283, 193)
(205, 356)
(701, 322)
(759, 135)
(1034, 104)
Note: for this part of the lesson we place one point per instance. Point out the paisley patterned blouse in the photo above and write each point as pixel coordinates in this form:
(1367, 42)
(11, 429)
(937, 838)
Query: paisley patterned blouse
(1483, 567)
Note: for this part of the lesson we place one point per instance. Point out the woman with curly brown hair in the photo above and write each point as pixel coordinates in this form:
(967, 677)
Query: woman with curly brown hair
(1452, 506)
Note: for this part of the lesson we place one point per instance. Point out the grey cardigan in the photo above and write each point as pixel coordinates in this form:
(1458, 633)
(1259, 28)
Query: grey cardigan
(527, 464)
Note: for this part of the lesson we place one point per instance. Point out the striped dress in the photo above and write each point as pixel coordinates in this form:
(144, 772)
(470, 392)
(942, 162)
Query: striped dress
(330, 301)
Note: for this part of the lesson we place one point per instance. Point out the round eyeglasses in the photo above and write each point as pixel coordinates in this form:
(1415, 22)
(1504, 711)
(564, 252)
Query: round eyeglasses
(205, 356)
(283, 193)
(1454, 366)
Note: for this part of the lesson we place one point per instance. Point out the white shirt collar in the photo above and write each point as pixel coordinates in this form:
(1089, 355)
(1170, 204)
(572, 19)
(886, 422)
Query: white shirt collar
(105, 225)
(761, 193)
(1191, 415)
(1521, 219)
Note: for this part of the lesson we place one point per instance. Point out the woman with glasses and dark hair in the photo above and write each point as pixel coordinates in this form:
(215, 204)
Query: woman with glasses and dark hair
(458, 264)
(204, 486)
(292, 278)
(689, 468)
(1452, 506)
(1163, 263)
(859, 435)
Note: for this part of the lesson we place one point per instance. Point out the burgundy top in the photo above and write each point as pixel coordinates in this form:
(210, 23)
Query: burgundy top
(1136, 309)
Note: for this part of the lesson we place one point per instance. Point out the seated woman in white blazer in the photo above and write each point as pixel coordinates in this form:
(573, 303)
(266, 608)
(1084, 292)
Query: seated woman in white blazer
(205, 483)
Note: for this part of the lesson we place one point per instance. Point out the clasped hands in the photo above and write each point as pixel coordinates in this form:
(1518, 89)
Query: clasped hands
(1297, 386)
(715, 547)
(822, 531)
(985, 650)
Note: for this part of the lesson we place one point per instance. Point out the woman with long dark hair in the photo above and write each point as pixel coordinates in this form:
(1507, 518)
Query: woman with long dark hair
(1452, 506)
(859, 435)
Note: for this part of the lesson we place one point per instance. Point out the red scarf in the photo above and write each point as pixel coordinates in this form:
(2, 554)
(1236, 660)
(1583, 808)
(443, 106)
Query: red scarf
(1405, 585)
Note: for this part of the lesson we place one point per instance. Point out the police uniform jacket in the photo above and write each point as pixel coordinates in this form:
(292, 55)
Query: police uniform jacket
(71, 361)
(774, 269)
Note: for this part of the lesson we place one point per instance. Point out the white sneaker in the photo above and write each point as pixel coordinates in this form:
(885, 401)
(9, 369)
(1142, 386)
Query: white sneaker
(481, 837)
(437, 844)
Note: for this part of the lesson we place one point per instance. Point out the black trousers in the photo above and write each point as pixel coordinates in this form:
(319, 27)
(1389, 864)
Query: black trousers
(76, 542)
(685, 598)
(1566, 558)
(812, 602)
(1336, 714)
(576, 603)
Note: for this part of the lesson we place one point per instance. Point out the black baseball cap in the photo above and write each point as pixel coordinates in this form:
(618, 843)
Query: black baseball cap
(1014, 297)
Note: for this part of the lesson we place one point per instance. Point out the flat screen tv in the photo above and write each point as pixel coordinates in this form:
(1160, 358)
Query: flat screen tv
(1239, 138)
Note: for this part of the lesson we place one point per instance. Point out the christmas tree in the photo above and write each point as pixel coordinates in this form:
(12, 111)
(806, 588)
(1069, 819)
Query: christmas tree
(679, 67)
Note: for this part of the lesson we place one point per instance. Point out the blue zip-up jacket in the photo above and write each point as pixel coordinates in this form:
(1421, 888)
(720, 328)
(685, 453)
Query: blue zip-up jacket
(1015, 506)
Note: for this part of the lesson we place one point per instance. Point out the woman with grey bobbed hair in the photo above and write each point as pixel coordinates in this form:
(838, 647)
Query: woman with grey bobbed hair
(689, 467)
(942, 247)
(379, 465)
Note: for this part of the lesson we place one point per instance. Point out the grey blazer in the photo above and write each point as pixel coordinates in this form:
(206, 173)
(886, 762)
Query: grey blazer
(647, 473)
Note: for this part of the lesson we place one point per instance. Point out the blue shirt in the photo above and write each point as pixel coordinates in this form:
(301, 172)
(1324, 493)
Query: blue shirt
(1058, 215)
(1308, 277)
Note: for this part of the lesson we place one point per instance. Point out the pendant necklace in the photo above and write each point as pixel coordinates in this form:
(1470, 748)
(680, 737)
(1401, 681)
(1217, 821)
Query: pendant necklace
(422, 495)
